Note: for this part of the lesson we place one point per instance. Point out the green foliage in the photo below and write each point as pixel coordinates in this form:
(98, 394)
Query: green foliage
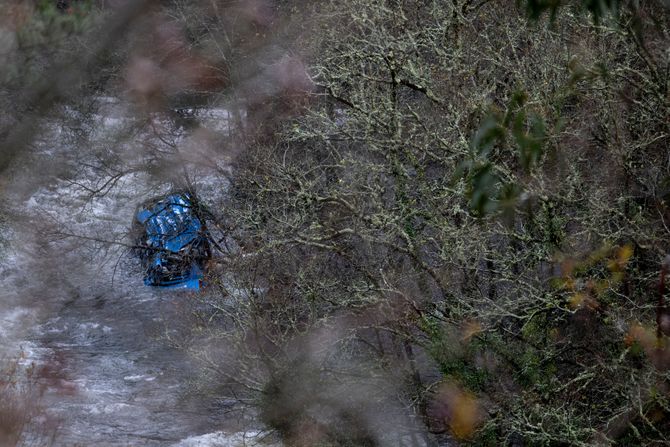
(51, 26)
(526, 132)
(380, 210)
(46, 37)
(456, 359)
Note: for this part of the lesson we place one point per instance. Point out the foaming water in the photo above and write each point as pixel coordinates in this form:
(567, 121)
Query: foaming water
(76, 309)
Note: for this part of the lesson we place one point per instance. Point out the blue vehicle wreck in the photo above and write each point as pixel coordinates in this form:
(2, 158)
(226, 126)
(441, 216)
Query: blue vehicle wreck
(172, 242)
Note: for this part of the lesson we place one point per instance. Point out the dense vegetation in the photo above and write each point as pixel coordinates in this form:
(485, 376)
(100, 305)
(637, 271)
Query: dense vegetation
(470, 218)
(448, 221)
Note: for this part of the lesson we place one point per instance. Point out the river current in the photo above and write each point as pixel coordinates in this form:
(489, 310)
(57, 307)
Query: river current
(75, 309)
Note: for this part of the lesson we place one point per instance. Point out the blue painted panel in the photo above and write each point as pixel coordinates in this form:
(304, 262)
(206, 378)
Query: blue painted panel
(174, 245)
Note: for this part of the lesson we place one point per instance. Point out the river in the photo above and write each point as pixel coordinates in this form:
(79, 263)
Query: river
(76, 310)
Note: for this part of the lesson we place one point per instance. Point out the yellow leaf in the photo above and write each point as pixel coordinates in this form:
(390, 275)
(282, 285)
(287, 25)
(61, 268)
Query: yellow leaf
(466, 415)
(459, 409)
(470, 329)
(576, 300)
(624, 254)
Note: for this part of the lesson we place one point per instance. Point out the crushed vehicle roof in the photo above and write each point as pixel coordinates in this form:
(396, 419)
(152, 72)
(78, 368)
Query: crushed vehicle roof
(173, 243)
